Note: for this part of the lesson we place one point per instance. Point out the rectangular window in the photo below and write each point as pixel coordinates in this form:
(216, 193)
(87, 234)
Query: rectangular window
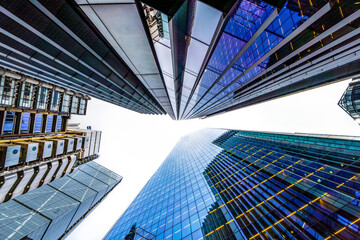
(82, 106)
(58, 124)
(38, 123)
(9, 122)
(55, 101)
(74, 105)
(26, 94)
(42, 98)
(25, 123)
(49, 123)
(7, 87)
(65, 103)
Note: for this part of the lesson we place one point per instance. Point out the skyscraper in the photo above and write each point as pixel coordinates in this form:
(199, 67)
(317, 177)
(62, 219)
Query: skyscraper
(227, 184)
(350, 100)
(35, 145)
(54, 210)
(186, 58)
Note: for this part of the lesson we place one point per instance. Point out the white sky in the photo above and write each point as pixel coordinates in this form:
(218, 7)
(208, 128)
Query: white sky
(134, 145)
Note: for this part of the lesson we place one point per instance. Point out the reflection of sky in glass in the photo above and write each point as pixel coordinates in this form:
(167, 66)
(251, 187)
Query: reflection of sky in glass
(25, 122)
(38, 121)
(9, 122)
(240, 28)
(58, 123)
(177, 198)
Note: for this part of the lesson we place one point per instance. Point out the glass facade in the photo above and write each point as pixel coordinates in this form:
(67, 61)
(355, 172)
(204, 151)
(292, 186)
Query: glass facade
(7, 87)
(350, 101)
(51, 211)
(26, 95)
(250, 185)
(42, 98)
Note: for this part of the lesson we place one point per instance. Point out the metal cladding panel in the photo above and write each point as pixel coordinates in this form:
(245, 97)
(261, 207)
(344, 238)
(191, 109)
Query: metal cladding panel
(9, 155)
(9, 181)
(86, 146)
(39, 176)
(29, 151)
(54, 167)
(64, 163)
(98, 139)
(69, 144)
(71, 164)
(92, 143)
(28, 173)
(45, 148)
(78, 142)
(58, 146)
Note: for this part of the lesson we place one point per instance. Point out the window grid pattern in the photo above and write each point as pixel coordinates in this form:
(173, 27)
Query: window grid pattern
(350, 101)
(281, 190)
(58, 205)
(285, 23)
(258, 185)
(176, 199)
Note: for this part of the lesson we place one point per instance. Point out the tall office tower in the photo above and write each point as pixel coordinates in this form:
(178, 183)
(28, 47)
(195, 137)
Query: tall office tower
(52, 211)
(350, 100)
(187, 58)
(218, 184)
(35, 145)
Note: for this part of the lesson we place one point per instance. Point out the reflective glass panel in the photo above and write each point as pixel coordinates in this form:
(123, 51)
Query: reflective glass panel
(42, 98)
(25, 122)
(7, 87)
(38, 123)
(9, 122)
(26, 94)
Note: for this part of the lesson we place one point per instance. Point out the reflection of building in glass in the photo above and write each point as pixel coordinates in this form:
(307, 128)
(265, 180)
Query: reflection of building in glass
(251, 185)
(350, 100)
(186, 58)
(52, 211)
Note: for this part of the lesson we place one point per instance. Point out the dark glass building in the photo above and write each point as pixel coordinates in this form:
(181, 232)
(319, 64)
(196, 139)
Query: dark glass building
(186, 58)
(350, 100)
(52, 211)
(227, 184)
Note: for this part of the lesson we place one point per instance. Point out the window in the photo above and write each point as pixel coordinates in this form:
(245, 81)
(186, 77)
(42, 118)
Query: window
(58, 124)
(7, 87)
(9, 122)
(42, 98)
(75, 105)
(65, 103)
(55, 101)
(24, 127)
(38, 123)
(82, 107)
(26, 94)
(49, 123)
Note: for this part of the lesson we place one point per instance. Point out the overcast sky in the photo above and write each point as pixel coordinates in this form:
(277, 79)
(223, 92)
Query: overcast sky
(134, 145)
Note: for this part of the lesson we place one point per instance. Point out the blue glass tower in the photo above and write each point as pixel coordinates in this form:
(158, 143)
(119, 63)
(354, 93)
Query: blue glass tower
(218, 184)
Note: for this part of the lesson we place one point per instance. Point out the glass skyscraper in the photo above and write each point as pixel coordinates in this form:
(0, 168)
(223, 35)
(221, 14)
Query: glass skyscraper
(188, 59)
(350, 100)
(227, 184)
(53, 210)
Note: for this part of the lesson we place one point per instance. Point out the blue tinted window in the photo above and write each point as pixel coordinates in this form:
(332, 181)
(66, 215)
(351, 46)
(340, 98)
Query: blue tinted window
(25, 122)
(9, 122)
(38, 123)
(58, 124)
(49, 123)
